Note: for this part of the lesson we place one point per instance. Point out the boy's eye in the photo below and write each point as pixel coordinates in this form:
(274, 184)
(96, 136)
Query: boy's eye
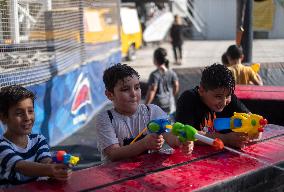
(137, 87)
(31, 111)
(19, 113)
(124, 89)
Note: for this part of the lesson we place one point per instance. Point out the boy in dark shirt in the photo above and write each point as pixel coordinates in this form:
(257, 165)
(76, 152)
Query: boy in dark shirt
(213, 98)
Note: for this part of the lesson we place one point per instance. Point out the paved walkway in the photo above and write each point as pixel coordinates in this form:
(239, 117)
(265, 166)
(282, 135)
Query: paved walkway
(203, 53)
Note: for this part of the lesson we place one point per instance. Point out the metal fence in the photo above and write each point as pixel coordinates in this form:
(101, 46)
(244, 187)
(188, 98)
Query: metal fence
(40, 39)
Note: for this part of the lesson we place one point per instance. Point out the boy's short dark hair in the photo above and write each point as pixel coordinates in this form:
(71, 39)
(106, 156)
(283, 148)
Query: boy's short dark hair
(234, 52)
(224, 59)
(11, 95)
(217, 76)
(117, 72)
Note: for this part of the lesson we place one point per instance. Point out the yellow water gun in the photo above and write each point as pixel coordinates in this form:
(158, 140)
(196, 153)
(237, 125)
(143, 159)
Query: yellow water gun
(241, 122)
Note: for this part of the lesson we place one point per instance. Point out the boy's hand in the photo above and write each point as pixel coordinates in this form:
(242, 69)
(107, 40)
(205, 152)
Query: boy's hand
(153, 141)
(235, 139)
(255, 137)
(187, 147)
(60, 171)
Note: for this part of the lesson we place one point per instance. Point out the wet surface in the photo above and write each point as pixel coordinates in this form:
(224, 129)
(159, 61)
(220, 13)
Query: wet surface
(163, 172)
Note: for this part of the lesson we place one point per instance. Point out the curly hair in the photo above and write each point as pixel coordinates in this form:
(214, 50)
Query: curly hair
(117, 72)
(217, 76)
(11, 95)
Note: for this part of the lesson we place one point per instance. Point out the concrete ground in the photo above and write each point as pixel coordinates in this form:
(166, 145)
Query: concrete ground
(196, 54)
(203, 53)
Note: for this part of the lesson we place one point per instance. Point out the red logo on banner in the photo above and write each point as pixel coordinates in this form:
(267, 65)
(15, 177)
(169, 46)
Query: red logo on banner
(82, 96)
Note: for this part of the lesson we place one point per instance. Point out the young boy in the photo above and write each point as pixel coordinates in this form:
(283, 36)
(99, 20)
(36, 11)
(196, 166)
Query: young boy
(213, 98)
(23, 156)
(117, 127)
(242, 74)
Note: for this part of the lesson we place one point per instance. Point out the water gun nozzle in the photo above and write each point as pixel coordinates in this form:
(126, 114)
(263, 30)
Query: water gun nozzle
(263, 122)
(218, 144)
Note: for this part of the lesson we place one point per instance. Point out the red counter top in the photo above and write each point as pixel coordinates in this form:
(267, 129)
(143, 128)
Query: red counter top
(205, 168)
(260, 92)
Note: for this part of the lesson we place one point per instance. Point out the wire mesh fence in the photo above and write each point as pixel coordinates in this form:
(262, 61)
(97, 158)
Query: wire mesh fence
(40, 39)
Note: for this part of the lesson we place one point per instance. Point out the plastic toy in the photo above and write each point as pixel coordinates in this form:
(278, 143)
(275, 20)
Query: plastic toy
(63, 157)
(255, 67)
(158, 126)
(189, 133)
(241, 122)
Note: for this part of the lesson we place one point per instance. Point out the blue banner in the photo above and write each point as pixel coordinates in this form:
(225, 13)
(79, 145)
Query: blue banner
(65, 103)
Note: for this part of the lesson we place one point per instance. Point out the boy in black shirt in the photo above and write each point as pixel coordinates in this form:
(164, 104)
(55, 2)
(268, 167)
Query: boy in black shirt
(213, 98)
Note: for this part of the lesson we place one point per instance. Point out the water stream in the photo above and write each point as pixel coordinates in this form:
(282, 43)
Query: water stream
(249, 156)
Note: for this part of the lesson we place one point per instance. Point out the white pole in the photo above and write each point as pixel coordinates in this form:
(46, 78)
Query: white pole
(14, 21)
(48, 5)
(204, 139)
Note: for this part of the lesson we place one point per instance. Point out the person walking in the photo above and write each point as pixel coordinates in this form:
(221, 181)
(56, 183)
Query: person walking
(177, 39)
(163, 83)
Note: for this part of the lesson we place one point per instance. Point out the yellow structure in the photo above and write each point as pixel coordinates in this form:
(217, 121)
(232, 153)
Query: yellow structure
(131, 32)
(101, 25)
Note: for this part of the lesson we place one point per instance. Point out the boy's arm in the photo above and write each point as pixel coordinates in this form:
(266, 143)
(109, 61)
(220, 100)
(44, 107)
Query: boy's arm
(151, 141)
(173, 141)
(175, 83)
(232, 139)
(255, 77)
(152, 88)
(46, 160)
(34, 169)
(257, 80)
(175, 88)
(151, 94)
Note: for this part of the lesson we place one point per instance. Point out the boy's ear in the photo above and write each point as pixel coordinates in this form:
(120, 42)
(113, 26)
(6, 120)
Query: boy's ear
(109, 94)
(242, 57)
(201, 90)
(2, 118)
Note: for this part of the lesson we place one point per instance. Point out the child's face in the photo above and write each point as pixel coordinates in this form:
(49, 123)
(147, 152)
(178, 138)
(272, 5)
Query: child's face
(216, 99)
(20, 118)
(126, 95)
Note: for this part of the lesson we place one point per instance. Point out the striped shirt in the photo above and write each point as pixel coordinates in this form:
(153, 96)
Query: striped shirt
(36, 150)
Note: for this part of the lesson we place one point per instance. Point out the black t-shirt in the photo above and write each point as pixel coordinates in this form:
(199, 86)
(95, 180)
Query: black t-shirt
(176, 34)
(192, 111)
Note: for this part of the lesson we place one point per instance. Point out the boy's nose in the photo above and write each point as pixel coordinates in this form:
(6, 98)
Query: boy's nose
(223, 102)
(132, 93)
(27, 116)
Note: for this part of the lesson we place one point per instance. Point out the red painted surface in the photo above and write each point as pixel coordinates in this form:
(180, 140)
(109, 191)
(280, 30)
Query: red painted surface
(260, 92)
(204, 167)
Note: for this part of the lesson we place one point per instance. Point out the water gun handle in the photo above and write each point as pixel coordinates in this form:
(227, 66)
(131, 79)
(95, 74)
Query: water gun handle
(158, 126)
(139, 135)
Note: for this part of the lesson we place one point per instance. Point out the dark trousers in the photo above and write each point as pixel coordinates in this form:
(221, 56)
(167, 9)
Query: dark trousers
(177, 48)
